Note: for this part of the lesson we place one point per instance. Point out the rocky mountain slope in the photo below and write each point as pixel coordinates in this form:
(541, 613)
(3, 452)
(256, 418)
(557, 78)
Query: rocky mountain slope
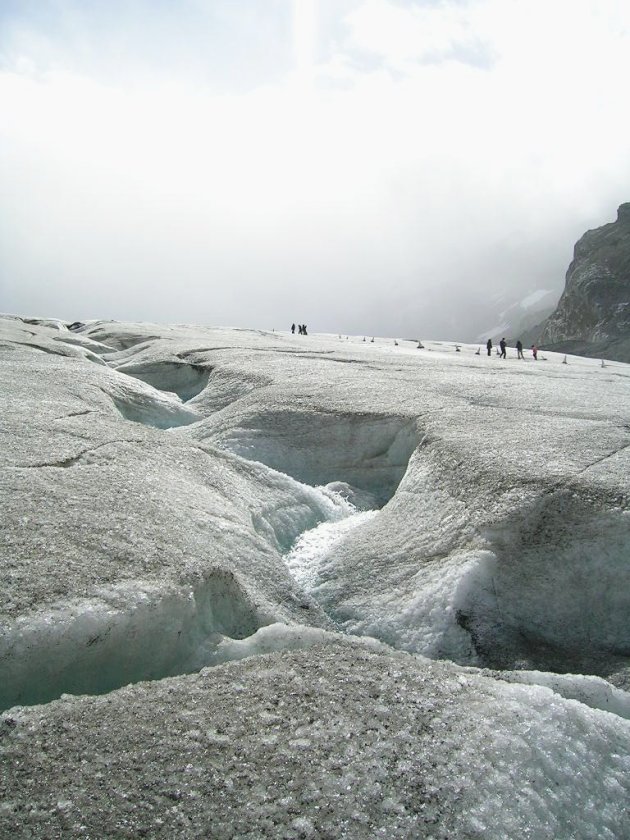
(593, 314)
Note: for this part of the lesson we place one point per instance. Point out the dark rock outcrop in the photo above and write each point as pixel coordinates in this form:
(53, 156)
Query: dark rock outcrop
(593, 315)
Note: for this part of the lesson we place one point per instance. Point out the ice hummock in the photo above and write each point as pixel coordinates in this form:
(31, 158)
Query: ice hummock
(326, 740)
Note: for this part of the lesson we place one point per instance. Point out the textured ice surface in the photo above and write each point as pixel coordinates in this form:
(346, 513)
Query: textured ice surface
(336, 740)
(306, 556)
(205, 495)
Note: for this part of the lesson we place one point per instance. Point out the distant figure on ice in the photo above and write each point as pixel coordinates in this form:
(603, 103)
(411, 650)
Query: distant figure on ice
(519, 349)
(534, 351)
(489, 346)
(304, 329)
(503, 345)
(293, 328)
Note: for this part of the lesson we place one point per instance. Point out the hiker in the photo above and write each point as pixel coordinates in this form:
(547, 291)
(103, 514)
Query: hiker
(534, 351)
(293, 328)
(489, 346)
(519, 349)
(503, 345)
(304, 329)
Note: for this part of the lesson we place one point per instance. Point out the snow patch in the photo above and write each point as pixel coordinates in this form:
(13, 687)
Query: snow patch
(532, 299)
(280, 637)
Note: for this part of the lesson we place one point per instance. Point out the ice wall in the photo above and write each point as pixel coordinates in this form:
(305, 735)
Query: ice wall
(557, 596)
(185, 380)
(367, 451)
(124, 634)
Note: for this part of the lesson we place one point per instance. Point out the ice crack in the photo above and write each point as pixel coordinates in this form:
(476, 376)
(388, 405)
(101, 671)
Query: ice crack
(73, 459)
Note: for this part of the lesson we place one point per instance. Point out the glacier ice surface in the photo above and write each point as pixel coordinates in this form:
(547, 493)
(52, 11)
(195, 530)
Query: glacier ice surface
(245, 500)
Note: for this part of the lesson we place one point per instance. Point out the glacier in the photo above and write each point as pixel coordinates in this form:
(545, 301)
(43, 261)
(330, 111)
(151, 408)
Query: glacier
(265, 585)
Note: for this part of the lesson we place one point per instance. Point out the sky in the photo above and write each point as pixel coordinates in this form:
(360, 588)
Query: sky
(392, 167)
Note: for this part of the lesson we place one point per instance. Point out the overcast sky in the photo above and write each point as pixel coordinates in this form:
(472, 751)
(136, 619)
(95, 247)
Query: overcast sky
(364, 166)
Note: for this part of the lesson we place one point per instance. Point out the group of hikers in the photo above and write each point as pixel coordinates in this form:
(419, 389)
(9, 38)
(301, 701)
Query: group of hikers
(503, 351)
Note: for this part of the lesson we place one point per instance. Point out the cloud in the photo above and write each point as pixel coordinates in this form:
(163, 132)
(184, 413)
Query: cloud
(423, 156)
(404, 35)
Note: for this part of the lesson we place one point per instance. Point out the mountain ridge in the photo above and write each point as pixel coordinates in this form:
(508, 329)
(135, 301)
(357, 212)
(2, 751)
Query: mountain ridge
(593, 314)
